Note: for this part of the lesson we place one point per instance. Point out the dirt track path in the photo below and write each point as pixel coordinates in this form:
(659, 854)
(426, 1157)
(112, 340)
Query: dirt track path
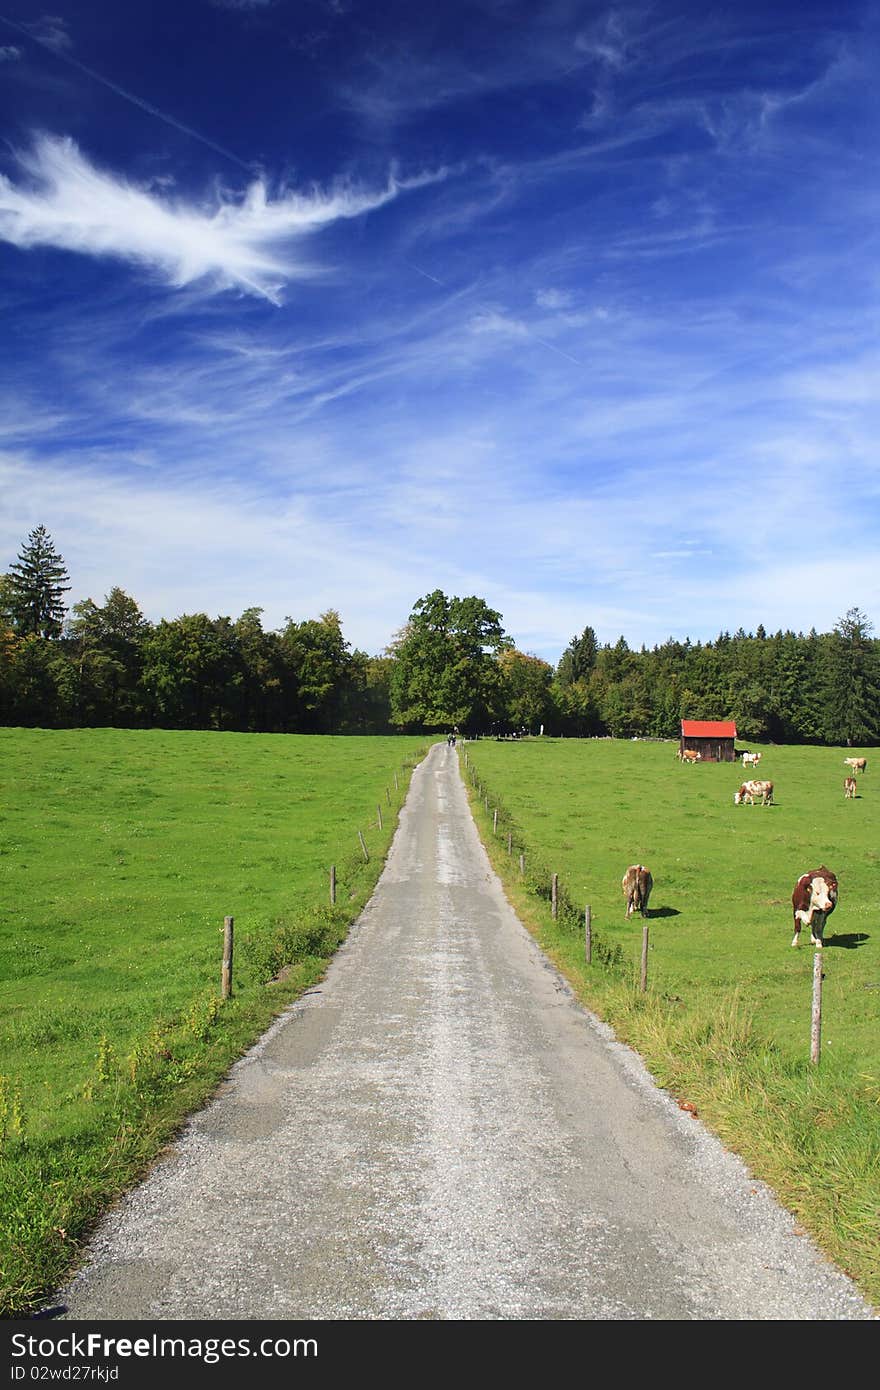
(440, 1131)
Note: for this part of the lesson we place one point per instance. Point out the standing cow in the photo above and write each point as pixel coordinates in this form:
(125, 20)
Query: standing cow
(857, 764)
(750, 790)
(849, 787)
(813, 901)
(637, 884)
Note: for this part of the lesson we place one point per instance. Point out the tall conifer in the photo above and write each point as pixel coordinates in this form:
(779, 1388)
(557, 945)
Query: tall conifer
(36, 584)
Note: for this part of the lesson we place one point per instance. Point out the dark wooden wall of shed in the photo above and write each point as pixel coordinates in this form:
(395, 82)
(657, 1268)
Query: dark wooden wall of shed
(711, 750)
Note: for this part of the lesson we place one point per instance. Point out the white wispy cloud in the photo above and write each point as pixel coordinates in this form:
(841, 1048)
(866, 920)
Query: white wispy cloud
(553, 299)
(9, 53)
(248, 243)
(491, 321)
(51, 31)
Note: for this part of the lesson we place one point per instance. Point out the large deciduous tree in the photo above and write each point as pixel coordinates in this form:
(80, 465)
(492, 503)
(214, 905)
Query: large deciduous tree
(321, 662)
(193, 672)
(106, 650)
(528, 695)
(35, 585)
(445, 669)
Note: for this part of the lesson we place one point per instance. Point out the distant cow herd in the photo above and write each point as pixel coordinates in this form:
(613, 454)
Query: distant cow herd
(815, 893)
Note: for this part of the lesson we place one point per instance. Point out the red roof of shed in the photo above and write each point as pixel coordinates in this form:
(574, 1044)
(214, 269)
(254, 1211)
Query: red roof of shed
(708, 728)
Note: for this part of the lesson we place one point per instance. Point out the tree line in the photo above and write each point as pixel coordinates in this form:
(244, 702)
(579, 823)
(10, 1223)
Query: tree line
(452, 665)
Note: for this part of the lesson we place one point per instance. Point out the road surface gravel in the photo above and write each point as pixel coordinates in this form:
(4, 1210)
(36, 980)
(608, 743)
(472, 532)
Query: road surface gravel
(440, 1130)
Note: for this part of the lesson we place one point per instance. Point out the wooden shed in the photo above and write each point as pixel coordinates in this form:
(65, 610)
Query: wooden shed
(713, 739)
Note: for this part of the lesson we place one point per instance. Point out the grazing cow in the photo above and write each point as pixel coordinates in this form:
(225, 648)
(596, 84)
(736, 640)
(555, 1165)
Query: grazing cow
(689, 755)
(751, 759)
(750, 790)
(857, 764)
(637, 884)
(813, 900)
(849, 786)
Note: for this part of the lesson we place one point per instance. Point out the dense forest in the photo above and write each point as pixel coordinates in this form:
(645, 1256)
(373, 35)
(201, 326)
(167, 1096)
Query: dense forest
(451, 664)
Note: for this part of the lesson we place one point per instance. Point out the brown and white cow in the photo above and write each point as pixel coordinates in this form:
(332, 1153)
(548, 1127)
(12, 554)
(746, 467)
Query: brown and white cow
(749, 792)
(849, 787)
(857, 764)
(813, 901)
(637, 884)
(751, 759)
(689, 755)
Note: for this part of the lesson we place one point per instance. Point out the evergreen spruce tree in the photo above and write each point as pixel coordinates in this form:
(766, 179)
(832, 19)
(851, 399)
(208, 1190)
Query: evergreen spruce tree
(35, 587)
(578, 659)
(853, 681)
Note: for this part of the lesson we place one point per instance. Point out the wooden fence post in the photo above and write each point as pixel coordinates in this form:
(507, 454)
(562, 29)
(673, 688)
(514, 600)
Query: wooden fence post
(363, 846)
(387, 797)
(379, 814)
(226, 975)
(816, 1029)
(332, 883)
(510, 842)
(643, 982)
(554, 894)
(396, 783)
(588, 933)
(495, 821)
(522, 864)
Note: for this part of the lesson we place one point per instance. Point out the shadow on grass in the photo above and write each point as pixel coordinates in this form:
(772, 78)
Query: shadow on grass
(663, 912)
(848, 940)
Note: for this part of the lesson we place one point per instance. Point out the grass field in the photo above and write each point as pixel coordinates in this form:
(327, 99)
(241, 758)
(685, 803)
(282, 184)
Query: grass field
(727, 1016)
(121, 853)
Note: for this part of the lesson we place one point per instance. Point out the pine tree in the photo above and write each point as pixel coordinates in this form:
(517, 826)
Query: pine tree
(578, 659)
(853, 681)
(36, 584)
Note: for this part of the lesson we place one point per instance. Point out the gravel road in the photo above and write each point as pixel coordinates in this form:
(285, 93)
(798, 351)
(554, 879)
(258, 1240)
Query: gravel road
(440, 1130)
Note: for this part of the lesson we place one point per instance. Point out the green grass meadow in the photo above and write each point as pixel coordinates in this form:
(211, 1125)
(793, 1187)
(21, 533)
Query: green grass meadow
(726, 1020)
(121, 853)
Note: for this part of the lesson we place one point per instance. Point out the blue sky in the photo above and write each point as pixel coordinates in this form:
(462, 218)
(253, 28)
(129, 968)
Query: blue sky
(316, 304)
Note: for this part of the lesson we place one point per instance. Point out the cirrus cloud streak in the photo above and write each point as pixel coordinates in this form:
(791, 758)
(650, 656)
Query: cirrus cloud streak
(247, 244)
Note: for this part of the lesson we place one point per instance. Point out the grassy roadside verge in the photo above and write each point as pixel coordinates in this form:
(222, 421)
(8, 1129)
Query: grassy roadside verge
(120, 854)
(811, 1133)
